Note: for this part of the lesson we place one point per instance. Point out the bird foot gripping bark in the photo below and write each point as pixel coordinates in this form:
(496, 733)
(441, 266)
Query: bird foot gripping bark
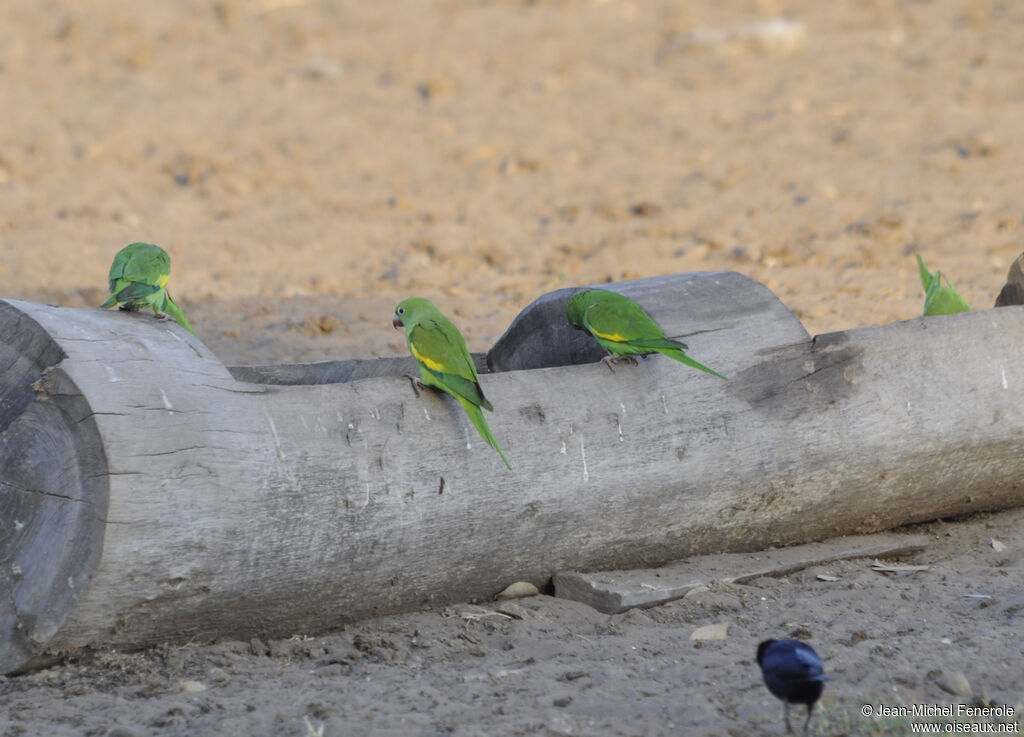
(417, 385)
(609, 360)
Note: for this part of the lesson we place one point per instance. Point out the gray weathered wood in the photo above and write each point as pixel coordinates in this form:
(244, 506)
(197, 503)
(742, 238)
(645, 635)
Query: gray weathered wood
(53, 492)
(612, 592)
(201, 506)
(335, 372)
(690, 307)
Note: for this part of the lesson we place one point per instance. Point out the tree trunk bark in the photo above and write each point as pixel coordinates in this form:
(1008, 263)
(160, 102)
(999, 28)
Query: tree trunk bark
(150, 494)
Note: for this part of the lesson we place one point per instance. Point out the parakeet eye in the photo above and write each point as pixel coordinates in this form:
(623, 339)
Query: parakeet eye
(401, 310)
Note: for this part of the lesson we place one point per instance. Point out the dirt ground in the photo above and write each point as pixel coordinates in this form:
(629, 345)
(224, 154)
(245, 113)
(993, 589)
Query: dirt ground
(307, 164)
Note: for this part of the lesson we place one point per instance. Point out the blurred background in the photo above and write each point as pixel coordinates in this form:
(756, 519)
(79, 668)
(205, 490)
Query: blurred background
(307, 163)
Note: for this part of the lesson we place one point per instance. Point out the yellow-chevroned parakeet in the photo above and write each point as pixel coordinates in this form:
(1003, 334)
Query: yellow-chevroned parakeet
(623, 329)
(138, 278)
(939, 299)
(444, 362)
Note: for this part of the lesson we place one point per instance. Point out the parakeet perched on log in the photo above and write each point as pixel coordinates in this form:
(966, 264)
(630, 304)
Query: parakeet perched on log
(939, 299)
(138, 278)
(444, 361)
(623, 329)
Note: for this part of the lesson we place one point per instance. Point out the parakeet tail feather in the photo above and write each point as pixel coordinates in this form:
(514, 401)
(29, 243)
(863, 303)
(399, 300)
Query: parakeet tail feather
(477, 418)
(683, 358)
(174, 311)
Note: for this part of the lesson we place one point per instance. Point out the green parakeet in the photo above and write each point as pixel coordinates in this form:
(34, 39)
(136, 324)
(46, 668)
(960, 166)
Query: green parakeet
(939, 299)
(623, 329)
(444, 361)
(138, 278)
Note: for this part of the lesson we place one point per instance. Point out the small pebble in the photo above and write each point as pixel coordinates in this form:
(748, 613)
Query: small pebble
(954, 682)
(710, 632)
(518, 590)
(120, 731)
(192, 687)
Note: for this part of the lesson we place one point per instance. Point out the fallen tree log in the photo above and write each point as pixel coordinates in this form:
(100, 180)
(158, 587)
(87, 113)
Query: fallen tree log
(148, 493)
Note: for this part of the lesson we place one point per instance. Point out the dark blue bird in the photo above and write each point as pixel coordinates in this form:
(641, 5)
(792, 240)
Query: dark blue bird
(793, 672)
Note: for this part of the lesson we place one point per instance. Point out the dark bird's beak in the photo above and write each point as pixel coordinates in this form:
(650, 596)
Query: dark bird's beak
(397, 322)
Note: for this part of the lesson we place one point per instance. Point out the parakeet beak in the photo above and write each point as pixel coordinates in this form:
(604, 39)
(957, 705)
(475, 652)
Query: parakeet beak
(397, 322)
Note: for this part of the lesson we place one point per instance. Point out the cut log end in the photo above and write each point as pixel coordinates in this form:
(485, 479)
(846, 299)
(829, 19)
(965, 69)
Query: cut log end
(53, 490)
(332, 492)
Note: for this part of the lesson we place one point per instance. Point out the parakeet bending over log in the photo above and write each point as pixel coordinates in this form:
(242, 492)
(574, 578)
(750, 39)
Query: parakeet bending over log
(138, 278)
(623, 329)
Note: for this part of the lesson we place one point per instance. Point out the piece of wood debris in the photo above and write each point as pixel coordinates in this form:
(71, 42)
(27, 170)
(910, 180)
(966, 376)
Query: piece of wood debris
(612, 592)
(827, 577)
(472, 613)
(897, 567)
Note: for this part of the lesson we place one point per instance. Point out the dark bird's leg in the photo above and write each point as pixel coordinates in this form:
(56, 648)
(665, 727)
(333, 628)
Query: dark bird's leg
(785, 708)
(807, 724)
(417, 384)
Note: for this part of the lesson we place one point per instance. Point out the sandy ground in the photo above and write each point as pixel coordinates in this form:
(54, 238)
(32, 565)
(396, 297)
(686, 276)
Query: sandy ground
(555, 667)
(309, 163)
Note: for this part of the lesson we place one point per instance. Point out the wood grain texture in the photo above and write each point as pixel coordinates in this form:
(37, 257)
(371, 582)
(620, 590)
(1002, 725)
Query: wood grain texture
(335, 372)
(239, 509)
(53, 496)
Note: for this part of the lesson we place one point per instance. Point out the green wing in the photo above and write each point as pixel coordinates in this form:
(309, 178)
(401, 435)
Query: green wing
(939, 299)
(137, 273)
(117, 268)
(148, 264)
(444, 361)
(441, 351)
(944, 300)
(623, 320)
(622, 327)
(134, 291)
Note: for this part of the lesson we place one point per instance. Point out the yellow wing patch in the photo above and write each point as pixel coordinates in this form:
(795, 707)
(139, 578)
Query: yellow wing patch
(161, 281)
(430, 363)
(610, 336)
